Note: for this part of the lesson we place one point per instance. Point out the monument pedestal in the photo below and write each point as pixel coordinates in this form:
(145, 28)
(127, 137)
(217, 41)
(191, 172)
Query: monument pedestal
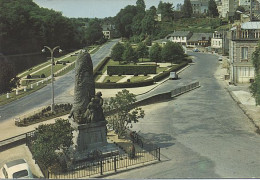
(87, 139)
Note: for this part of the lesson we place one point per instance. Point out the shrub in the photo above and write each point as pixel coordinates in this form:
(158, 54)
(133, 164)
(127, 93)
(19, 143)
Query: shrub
(128, 80)
(135, 74)
(108, 81)
(119, 74)
(110, 74)
(145, 74)
(64, 63)
(29, 76)
(43, 76)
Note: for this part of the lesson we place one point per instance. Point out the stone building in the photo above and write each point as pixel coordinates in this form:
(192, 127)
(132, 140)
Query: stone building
(179, 37)
(244, 40)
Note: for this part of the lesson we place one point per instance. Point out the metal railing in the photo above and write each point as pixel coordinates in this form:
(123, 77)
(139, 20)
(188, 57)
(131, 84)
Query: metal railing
(184, 89)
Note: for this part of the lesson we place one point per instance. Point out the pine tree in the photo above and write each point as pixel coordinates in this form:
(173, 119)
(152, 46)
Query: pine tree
(187, 9)
(213, 10)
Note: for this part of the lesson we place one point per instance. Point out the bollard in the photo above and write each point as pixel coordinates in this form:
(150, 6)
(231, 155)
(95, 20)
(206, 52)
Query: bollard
(17, 92)
(31, 86)
(7, 95)
(42, 81)
(37, 84)
(24, 89)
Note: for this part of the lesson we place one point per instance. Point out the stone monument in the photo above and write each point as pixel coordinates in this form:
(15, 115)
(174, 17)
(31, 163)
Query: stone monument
(86, 116)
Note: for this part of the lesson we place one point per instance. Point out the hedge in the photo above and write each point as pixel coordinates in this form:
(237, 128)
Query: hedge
(100, 66)
(125, 84)
(130, 70)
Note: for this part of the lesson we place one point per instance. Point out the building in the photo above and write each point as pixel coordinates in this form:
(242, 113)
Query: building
(199, 6)
(109, 31)
(179, 37)
(217, 41)
(244, 40)
(199, 39)
(229, 7)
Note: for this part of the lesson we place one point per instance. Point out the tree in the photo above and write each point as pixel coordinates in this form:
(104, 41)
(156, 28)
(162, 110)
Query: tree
(213, 10)
(140, 4)
(148, 23)
(7, 75)
(124, 19)
(172, 52)
(142, 50)
(155, 53)
(165, 9)
(51, 138)
(187, 9)
(117, 52)
(94, 32)
(124, 115)
(129, 54)
(255, 86)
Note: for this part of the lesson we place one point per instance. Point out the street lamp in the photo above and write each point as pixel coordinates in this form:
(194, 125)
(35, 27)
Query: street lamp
(52, 61)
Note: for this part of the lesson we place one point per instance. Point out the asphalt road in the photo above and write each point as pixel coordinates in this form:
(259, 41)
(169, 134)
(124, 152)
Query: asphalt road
(202, 134)
(62, 86)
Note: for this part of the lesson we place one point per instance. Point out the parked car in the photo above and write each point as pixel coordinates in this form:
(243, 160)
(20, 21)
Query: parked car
(173, 75)
(220, 58)
(16, 169)
(196, 50)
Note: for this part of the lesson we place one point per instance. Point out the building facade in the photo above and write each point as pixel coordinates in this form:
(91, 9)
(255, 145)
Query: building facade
(199, 6)
(179, 37)
(244, 41)
(229, 7)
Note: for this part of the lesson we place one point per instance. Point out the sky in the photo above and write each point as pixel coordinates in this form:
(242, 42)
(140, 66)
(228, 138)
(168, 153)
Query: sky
(94, 8)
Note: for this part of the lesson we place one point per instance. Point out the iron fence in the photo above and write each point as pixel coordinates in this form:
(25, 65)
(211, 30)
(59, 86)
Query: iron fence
(101, 166)
(184, 89)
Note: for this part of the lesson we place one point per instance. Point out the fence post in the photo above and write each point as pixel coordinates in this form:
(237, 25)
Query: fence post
(159, 156)
(101, 167)
(115, 163)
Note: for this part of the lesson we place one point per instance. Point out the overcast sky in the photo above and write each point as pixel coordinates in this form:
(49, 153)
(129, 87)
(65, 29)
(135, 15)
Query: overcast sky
(94, 8)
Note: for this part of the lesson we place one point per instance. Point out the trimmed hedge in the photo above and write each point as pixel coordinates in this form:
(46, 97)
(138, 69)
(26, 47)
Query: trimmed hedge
(125, 84)
(100, 66)
(130, 70)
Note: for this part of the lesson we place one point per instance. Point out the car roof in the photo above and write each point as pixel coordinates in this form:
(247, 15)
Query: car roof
(15, 162)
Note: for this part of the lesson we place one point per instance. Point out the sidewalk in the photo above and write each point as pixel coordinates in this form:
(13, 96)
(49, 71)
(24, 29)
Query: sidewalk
(241, 94)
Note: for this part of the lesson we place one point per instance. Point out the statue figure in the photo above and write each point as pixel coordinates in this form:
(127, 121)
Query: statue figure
(94, 112)
(84, 87)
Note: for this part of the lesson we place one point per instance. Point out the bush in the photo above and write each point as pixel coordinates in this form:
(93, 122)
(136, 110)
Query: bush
(43, 76)
(108, 81)
(29, 76)
(128, 80)
(145, 74)
(64, 63)
(119, 74)
(135, 74)
(110, 74)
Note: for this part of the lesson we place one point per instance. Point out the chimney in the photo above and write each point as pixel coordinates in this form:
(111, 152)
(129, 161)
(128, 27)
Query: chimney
(238, 33)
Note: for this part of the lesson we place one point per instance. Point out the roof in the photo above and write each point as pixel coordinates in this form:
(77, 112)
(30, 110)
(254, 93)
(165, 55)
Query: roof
(249, 25)
(199, 36)
(180, 33)
(15, 162)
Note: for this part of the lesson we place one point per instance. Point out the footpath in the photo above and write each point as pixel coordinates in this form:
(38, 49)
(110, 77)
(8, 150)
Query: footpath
(241, 94)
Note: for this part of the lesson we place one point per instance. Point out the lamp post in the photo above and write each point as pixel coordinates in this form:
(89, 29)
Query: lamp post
(52, 61)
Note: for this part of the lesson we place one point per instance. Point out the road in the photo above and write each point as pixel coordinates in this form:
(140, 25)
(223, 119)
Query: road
(202, 134)
(63, 85)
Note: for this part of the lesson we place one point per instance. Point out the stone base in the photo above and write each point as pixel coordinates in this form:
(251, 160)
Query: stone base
(88, 138)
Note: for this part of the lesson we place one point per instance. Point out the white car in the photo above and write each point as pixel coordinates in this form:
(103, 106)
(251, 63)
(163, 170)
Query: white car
(16, 169)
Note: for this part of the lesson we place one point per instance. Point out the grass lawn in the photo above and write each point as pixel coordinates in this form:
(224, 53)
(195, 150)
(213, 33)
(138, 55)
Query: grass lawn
(161, 69)
(138, 78)
(13, 96)
(47, 71)
(113, 78)
(33, 69)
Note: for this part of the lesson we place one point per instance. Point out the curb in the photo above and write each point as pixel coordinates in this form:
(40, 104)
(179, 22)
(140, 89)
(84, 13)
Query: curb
(244, 109)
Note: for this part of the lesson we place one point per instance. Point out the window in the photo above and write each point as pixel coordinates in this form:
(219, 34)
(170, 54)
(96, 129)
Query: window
(20, 174)
(244, 53)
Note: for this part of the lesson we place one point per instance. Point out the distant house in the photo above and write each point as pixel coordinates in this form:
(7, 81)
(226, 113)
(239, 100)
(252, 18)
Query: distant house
(217, 41)
(109, 31)
(179, 37)
(244, 41)
(229, 7)
(158, 17)
(199, 6)
(199, 39)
